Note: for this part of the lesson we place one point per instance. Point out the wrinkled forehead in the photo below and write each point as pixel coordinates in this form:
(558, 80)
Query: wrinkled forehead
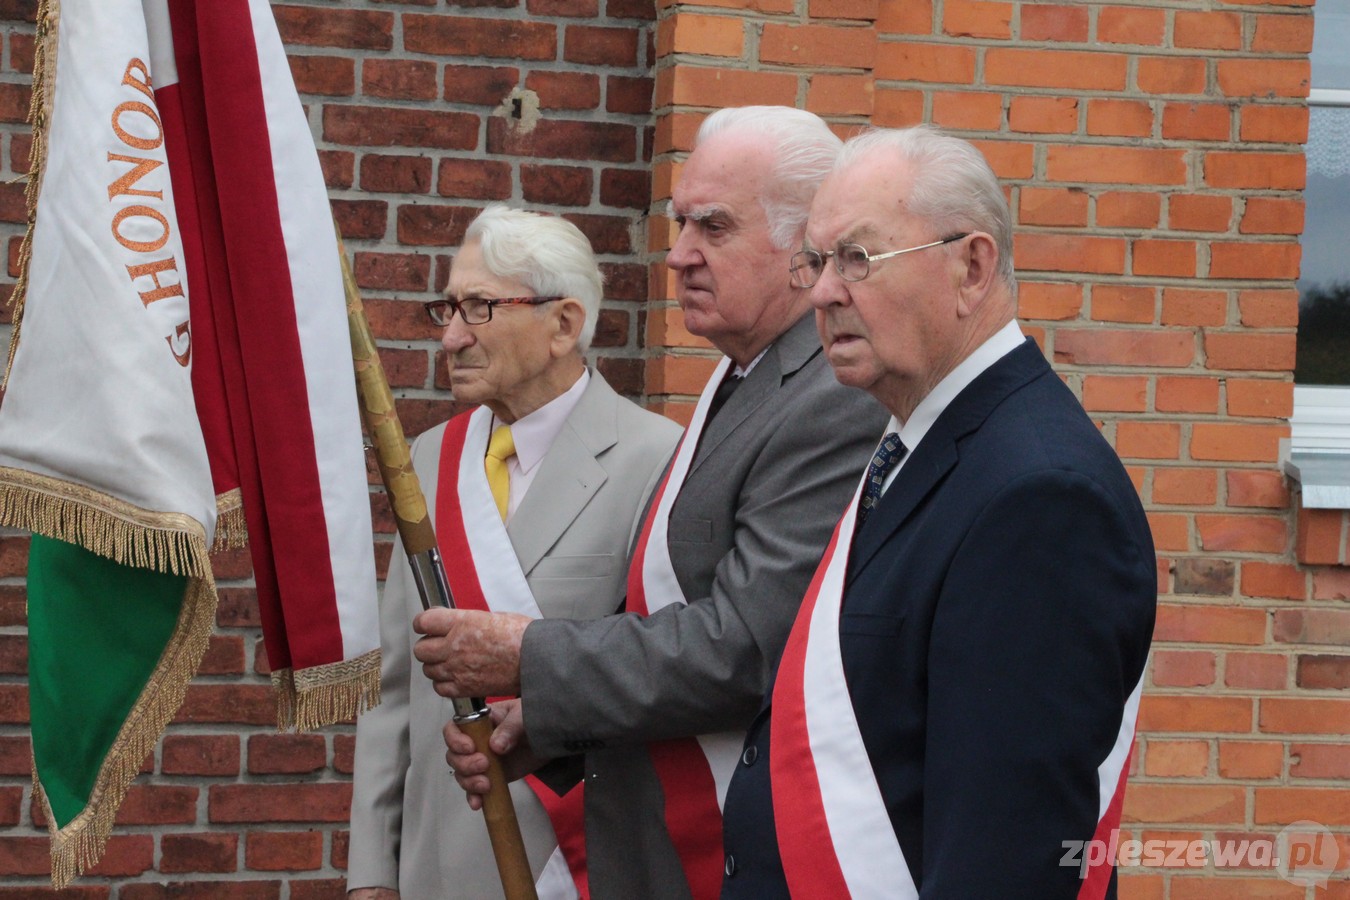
(727, 174)
(863, 204)
(851, 231)
(471, 277)
(833, 224)
(698, 197)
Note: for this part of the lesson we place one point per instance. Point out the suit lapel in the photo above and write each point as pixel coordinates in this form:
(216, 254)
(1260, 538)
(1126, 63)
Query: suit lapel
(759, 386)
(568, 477)
(784, 358)
(938, 452)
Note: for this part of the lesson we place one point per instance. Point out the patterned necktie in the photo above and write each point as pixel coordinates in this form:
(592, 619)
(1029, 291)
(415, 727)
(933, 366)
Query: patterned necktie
(888, 455)
(501, 447)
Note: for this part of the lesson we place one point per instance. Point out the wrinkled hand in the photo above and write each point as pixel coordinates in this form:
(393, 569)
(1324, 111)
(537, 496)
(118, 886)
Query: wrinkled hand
(508, 741)
(469, 653)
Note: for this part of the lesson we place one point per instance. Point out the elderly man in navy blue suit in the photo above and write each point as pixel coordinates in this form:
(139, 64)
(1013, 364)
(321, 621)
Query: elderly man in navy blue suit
(954, 712)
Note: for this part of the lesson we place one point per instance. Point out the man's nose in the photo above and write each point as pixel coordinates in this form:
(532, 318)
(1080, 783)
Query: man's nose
(830, 288)
(455, 336)
(685, 251)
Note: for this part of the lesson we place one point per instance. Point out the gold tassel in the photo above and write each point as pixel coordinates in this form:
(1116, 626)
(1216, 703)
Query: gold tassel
(322, 695)
(39, 117)
(80, 845)
(283, 688)
(231, 529)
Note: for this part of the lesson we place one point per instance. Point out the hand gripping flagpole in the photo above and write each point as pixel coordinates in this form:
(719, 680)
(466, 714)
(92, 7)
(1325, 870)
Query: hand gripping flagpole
(419, 540)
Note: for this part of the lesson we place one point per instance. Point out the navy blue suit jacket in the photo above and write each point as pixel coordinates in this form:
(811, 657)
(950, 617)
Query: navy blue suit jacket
(998, 610)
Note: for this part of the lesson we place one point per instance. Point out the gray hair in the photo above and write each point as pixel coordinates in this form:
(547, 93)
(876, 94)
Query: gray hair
(954, 188)
(804, 149)
(548, 254)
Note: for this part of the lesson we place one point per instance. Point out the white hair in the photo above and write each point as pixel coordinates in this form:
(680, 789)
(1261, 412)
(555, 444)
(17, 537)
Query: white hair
(954, 188)
(804, 151)
(548, 254)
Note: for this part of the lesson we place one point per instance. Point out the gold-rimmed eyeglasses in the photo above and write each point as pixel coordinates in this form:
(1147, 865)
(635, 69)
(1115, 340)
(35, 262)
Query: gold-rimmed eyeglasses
(476, 310)
(851, 261)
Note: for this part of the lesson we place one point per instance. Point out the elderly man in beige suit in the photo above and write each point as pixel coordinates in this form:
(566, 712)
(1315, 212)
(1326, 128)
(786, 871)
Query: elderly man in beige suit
(550, 539)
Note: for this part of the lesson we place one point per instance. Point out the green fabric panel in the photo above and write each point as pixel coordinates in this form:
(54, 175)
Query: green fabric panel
(96, 629)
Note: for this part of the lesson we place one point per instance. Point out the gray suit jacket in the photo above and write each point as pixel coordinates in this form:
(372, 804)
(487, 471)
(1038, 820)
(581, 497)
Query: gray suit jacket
(774, 471)
(410, 826)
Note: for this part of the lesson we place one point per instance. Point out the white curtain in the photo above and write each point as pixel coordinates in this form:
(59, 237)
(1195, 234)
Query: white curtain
(1329, 141)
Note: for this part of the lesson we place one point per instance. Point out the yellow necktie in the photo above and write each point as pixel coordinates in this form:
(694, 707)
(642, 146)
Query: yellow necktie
(501, 447)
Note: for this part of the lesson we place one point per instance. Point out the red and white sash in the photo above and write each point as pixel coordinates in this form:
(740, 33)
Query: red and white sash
(484, 574)
(694, 772)
(834, 833)
(1111, 775)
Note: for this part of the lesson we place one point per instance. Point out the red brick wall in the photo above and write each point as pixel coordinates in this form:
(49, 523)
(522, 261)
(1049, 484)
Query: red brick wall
(410, 104)
(1152, 154)
(412, 110)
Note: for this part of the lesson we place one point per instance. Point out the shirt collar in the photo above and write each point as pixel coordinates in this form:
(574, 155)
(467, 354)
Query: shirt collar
(742, 372)
(1000, 344)
(534, 433)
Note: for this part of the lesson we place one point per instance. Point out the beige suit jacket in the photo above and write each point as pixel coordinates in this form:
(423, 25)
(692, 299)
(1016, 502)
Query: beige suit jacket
(410, 827)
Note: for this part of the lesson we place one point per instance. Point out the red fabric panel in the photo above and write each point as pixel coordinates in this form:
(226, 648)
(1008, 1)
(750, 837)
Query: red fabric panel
(264, 311)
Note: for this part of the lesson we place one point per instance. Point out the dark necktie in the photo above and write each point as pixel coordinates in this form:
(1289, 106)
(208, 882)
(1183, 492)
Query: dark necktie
(887, 457)
(723, 392)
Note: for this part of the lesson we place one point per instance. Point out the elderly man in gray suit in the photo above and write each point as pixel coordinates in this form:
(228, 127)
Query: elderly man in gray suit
(550, 538)
(650, 706)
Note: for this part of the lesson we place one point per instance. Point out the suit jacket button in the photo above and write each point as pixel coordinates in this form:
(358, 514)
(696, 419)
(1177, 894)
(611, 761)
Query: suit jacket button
(730, 867)
(750, 755)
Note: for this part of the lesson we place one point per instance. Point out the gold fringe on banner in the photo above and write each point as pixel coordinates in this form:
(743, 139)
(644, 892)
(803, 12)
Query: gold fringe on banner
(80, 845)
(39, 116)
(283, 689)
(322, 695)
(164, 542)
(231, 529)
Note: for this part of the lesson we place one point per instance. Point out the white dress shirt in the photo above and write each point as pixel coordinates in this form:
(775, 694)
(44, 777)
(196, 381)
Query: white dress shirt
(533, 435)
(1000, 344)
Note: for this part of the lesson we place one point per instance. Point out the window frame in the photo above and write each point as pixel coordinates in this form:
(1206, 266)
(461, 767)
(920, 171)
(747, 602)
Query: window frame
(1317, 452)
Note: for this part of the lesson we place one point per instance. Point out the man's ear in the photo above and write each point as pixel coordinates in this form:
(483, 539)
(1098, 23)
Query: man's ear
(569, 317)
(979, 269)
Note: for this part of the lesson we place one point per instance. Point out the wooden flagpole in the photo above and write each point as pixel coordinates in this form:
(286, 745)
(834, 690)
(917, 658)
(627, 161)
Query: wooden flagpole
(419, 541)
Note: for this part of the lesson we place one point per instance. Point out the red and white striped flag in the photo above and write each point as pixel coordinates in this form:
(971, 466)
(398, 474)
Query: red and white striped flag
(182, 354)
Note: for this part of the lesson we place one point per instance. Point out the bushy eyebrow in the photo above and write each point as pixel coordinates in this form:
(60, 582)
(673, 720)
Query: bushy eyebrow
(696, 213)
(860, 234)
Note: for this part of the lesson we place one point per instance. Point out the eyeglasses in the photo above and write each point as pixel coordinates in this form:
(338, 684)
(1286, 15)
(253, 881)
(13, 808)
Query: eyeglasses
(476, 310)
(852, 261)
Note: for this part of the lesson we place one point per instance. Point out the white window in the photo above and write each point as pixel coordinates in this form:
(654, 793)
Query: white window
(1319, 451)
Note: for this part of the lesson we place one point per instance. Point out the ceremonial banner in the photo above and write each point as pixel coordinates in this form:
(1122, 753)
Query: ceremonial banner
(180, 366)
